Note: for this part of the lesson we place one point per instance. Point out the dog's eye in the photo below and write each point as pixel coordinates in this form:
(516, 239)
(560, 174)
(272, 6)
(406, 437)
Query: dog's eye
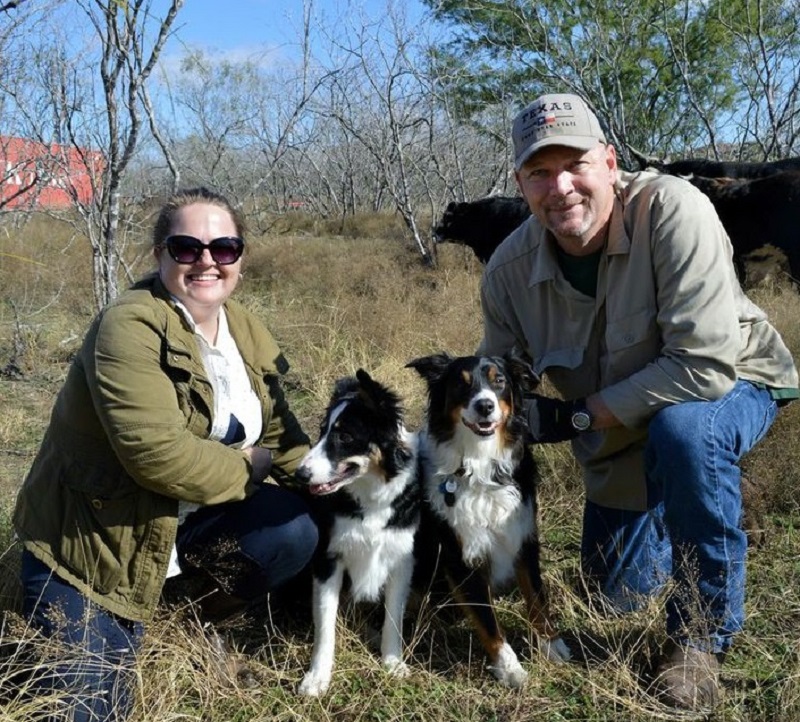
(345, 438)
(499, 381)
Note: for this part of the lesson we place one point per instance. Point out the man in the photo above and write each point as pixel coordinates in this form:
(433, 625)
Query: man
(620, 289)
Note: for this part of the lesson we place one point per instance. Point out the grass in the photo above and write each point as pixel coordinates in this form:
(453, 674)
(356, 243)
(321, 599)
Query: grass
(336, 303)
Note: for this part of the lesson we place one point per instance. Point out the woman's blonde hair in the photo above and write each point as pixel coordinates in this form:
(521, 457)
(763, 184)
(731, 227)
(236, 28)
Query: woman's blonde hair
(187, 197)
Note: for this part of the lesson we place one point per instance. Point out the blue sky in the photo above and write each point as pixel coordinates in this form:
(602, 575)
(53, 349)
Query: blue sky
(255, 28)
(240, 27)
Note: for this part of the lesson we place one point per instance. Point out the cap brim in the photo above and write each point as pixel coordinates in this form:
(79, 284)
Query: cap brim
(580, 142)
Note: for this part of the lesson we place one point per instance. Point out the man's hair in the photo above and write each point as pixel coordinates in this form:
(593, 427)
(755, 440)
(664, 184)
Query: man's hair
(187, 197)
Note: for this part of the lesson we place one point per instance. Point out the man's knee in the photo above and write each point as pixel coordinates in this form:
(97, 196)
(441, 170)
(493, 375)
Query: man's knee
(675, 433)
(675, 424)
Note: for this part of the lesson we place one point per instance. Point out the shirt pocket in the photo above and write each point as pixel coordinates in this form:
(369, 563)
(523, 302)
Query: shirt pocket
(565, 358)
(632, 342)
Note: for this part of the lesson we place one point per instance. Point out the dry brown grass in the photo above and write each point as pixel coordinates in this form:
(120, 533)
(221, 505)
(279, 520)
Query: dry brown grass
(335, 304)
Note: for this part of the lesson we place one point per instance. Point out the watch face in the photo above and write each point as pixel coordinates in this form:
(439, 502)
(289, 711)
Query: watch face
(581, 420)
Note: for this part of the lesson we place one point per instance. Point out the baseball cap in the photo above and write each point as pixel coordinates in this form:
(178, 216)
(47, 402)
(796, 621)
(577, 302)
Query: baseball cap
(554, 119)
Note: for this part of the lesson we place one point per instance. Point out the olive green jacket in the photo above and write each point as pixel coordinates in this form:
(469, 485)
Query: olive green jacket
(669, 323)
(128, 438)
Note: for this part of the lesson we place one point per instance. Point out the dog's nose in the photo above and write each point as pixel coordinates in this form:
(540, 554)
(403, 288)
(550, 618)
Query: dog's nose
(484, 407)
(303, 474)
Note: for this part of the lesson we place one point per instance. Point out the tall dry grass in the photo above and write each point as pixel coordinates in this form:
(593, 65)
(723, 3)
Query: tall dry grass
(337, 303)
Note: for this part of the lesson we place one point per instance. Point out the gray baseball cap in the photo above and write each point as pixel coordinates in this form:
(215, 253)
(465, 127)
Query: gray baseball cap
(555, 119)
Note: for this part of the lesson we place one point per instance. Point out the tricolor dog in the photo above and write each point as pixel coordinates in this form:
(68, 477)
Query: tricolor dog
(364, 476)
(479, 513)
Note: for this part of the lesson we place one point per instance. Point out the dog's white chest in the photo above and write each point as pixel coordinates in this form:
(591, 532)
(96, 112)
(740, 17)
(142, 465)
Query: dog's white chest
(370, 552)
(490, 521)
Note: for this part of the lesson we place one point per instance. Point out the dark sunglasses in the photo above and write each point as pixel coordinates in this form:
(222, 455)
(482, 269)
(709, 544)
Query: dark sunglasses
(188, 249)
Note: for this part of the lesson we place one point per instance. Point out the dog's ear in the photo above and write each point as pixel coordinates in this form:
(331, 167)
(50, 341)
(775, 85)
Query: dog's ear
(431, 368)
(378, 397)
(522, 372)
(369, 388)
(364, 378)
(344, 387)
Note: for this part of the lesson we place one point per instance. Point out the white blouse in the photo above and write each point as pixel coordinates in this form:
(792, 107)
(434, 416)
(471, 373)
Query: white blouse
(237, 414)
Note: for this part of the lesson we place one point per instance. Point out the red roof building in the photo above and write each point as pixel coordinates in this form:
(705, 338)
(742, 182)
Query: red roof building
(36, 175)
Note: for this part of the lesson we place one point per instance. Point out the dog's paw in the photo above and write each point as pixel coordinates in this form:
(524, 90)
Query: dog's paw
(314, 685)
(396, 667)
(554, 649)
(507, 669)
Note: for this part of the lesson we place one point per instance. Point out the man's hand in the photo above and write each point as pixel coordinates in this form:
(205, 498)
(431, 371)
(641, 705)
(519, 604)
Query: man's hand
(550, 420)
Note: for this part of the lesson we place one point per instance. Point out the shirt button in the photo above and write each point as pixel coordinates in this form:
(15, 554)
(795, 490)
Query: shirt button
(97, 503)
(628, 338)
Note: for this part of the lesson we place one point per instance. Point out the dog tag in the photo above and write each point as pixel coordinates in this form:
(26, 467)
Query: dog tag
(448, 489)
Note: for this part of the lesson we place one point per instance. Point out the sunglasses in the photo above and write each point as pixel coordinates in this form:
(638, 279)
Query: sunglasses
(188, 249)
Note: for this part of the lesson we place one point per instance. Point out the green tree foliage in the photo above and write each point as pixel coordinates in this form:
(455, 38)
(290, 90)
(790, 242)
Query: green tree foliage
(662, 75)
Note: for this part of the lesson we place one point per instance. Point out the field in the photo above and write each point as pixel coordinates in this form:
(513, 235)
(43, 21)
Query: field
(335, 304)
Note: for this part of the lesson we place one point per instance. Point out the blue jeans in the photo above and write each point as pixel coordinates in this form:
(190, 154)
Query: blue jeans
(251, 547)
(691, 531)
(94, 664)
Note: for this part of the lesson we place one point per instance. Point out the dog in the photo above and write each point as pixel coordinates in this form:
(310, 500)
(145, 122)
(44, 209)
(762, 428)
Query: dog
(479, 506)
(364, 479)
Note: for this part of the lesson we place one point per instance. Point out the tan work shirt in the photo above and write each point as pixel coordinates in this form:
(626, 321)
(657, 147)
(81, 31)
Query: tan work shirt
(669, 322)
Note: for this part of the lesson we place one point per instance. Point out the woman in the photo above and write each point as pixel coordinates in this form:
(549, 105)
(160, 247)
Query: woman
(159, 444)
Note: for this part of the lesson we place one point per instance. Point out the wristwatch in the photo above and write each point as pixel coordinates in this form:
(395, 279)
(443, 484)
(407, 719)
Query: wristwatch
(581, 418)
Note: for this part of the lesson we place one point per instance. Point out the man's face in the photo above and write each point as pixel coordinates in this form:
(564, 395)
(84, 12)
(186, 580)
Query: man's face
(571, 192)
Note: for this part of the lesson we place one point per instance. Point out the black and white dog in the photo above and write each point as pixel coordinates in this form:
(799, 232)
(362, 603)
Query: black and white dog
(364, 476)
(479, 511)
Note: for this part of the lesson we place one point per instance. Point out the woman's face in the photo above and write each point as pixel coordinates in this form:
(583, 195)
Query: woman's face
(202, 286)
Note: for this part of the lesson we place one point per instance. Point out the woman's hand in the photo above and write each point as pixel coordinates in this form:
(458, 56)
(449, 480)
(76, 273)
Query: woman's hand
(261, 462)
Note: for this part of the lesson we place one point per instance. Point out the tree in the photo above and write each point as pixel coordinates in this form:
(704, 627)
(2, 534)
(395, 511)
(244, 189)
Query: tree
(657, 72)
(62, 100)
(127, 61)
(767, 70)
(18, 176)
(379, 90)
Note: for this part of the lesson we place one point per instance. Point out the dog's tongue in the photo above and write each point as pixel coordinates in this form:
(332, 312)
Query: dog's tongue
(481, 428)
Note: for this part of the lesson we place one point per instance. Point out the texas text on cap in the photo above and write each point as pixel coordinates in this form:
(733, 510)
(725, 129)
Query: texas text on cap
(555, 119)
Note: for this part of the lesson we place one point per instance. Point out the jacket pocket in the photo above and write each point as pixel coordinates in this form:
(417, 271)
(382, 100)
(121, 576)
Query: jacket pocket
(97, 535)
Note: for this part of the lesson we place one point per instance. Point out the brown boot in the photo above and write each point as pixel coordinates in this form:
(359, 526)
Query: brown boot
(217, 606)
(688, 678)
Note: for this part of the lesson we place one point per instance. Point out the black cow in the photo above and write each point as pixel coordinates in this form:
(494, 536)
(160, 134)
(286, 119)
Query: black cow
(758, 212)
(718, 168)
(483, 224)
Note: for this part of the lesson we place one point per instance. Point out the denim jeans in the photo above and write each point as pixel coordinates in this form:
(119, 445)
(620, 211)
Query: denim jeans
(691, 531)
(89, 676)
(251, 547)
